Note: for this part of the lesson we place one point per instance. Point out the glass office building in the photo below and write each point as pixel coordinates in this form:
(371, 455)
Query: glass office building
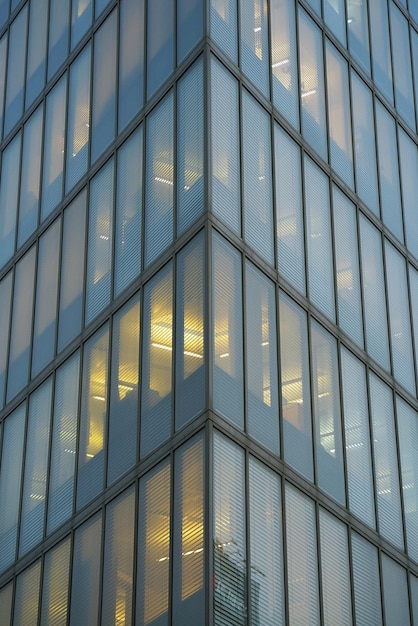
(208, 312)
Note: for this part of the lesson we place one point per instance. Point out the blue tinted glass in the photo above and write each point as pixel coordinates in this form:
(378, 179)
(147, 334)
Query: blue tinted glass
(131, 59)
(189, 25)
(160, 43)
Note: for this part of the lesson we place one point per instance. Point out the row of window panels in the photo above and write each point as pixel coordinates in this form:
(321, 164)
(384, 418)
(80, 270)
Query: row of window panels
(346, 440)
(350, 444)
(48, 48)
(316, 228)
(88, 255)
(276, 559)
(79, 429)
(41, 155)
(380, 165)
(88, 583)
(394, 78)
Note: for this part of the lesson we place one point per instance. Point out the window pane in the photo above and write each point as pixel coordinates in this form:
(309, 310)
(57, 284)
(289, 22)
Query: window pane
(326, 405)
(296, 403)
(339, 117)
(223, 26)
(154, 547)
(374, 293)
(93, 417)
(289, 210)
(190, 147)
(37, 40)
(382, 68)
(55, 585)
(6, 597)
(266, 552)
(390, 193)
(59, 19)
(128, 225)
(131, 59)
(3, 59)
(36, 466)
(407, 420)
(157, 362)
(190, 356)
(347, 267)
(334, 16)
(335, 570)
(78, 121)
(16, 70)
(53, 158)
(104, 87)
(319, 243)
(366, 582)
(100, 237)
(364, 143)
(189, 26)
(312, 85)
(284, 60)
(86, 573)
(402, 70)
(229, 558)
(64, 443)
(395, 593)
(118, 561)
(413, 285)
(160, 43)
(225, 147)
(46, 298)
(30, 176)
(72, 271)
(21, 324)
(257, 192)
(302, 558)
(10, 484)
(400, 323)
(189, 595)
(357, 438)
(386, 462)
(9, 190)
(228, 386)
(408, 161)
(5, 313)
(81, 16)
(159, 179)
(27, 596)
(358, 32)
(261, 365)
(254, 42)
(123, 414)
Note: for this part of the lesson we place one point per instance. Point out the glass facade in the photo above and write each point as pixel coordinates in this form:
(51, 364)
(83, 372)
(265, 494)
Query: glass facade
(208, 312)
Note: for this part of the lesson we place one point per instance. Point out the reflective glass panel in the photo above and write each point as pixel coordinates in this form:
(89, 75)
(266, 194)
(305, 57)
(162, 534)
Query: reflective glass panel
(154, 547)
(27, 596)
(366, 582)
(296, 403)
(53, 156)
(257, 184)
(36, 466)
(261, 362)
(358, 32)
(334, 16)
(37, 40)
(382, 67)
(289, 209)
(189, 25)
(254, 42)
(16, 70)
(131, 59)
(228, 384)
(408, 162)
(223, 26)
(59, 21)
(160, 43)
(327, 413)
(30, 176)
(190, 356)
(5, 312)
(159, 179)
(55, 585)
(78, 119)
(9, 189)
(225, 147)
(81, 16)
(395, 593)
(123, 413)
(402, 70)
(157, 363)
(93, 417)
(100, 239)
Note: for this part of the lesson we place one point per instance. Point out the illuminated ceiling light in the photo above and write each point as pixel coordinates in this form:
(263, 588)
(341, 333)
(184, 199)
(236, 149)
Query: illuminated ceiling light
(308, 93)
(280, 63)
(195, 354)
(224, 355)
(101, 398)
(264, 343)
(161, 346)
(257, 29)
(163, 180)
